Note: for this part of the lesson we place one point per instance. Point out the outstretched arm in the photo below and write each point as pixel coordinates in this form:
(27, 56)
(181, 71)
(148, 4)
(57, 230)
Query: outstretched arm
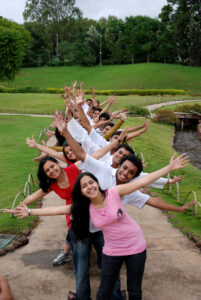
(178, 163)
(23, 211)
(135, 134)
(33, 197)
(158, 202)
(5, 290)
(32, 143)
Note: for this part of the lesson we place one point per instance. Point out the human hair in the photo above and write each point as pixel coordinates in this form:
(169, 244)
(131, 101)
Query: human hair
(125, 146)
(94, 108)
(89, 100)
(80, 208)
(60, 138)
(44, 180)
(135, 160)
(104, 115)
(115, 133)
(109, 124)
(69, 161)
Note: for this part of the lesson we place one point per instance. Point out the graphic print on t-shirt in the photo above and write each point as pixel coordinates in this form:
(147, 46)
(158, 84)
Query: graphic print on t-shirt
(120, 214)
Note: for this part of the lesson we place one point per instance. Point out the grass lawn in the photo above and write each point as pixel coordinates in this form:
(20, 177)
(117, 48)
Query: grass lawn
(48, 103)
(157, 152)
(16, 164)
(147, 76)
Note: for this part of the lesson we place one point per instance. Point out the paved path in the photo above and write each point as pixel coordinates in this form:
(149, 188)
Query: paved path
(173, 268)
(158, 105)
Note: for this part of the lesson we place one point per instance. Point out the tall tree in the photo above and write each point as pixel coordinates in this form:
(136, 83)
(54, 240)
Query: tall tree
(51, 13)
(13, 42)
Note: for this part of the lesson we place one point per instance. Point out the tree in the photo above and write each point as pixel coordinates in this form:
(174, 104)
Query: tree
(184, 17)
(13, 42)
(51, 14)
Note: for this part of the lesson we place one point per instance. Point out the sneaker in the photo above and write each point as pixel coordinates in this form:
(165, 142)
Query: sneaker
(61, 258)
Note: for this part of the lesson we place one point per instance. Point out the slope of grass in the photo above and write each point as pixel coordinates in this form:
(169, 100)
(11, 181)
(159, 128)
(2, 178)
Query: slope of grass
(16, 164)
(48, 103)
(152, 75)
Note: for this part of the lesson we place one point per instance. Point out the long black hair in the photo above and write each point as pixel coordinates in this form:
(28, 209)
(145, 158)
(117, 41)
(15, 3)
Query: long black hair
(69, 161)
(80, 208)
(44, 180)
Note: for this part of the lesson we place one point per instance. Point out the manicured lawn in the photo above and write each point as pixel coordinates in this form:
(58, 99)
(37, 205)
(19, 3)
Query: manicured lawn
(48, 103)
(16, 164)
(152, 75)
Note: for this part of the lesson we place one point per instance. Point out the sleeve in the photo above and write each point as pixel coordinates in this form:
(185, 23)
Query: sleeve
(76, 130)
(158, 184)
(102, 172)
(136, 199)
(113, 129)
(98, 139)
(85, 107)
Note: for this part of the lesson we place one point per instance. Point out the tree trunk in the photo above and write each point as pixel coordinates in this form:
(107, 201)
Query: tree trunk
(132, 59)
(57, 45)
(148, 57)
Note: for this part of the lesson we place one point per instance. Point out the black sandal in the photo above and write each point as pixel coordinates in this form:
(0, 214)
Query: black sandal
(73, 294)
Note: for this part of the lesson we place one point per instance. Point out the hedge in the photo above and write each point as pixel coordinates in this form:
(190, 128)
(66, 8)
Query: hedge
(98, 92)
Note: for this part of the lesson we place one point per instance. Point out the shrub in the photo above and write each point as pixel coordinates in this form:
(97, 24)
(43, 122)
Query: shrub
(138, 110)
(165, 116)
(187, 108)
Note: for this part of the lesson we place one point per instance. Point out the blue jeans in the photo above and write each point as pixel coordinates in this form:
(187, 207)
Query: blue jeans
(81, 258)
(111, 266)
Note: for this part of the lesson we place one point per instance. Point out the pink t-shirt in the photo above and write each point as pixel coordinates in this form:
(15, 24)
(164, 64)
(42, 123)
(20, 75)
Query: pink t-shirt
(122, 235)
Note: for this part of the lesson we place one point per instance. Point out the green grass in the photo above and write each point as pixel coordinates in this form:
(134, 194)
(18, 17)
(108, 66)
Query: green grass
(157, 151)
(48, 103)
(16, 164)
(147, 76)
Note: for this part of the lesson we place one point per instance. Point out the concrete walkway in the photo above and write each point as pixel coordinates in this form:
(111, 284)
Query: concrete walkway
(173, 268)
(158, 105)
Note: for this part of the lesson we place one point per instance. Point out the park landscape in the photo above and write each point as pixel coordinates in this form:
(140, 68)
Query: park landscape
(29, 96)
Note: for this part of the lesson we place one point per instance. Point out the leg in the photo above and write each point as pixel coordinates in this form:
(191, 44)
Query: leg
(111, 266)
(98, 242)
(135, 269)
(81, 255)
(64, 255)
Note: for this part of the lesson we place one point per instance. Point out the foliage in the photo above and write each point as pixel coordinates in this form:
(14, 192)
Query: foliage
(165, 116)
(13, 42)
(98, 92)
(189, 108)
(138, 110)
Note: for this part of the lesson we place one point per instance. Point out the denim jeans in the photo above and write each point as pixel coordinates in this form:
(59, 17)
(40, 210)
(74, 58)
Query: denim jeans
(111, 266)
(81, 258)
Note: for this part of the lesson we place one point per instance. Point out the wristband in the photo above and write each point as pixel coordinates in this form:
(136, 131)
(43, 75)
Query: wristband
(29, 212)
(169, 181)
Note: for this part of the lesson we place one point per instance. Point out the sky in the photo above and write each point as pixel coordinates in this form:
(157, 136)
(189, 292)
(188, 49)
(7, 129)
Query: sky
(93, 9)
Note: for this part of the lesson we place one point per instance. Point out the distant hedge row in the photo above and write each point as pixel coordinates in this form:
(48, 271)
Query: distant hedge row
(98, 92)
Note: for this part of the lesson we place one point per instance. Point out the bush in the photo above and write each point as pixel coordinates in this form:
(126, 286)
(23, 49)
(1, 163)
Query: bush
(189, 108)
(98, 92)
(165, 116)
(138, 110)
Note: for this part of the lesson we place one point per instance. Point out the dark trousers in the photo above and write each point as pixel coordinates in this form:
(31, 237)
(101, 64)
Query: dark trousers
(111, 266)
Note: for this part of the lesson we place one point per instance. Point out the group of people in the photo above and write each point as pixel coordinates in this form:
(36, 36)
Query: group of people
(103, 175)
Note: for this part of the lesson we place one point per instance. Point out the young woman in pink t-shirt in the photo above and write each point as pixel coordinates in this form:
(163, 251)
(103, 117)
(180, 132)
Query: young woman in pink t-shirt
(123, 237)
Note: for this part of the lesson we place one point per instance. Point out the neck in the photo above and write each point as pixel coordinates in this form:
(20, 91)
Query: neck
(62, 176)
(98, 200)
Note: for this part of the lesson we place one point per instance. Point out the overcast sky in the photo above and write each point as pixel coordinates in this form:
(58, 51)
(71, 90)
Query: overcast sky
(93, 9)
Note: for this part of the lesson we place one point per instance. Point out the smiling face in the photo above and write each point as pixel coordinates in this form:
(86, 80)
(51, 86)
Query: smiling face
(69, 153)
(52, 169)
(118, 155)
(89, 187)
(126, 172)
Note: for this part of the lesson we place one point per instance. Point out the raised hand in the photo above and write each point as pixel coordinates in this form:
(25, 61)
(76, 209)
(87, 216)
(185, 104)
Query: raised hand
(61, 125)
(123, 116)
(31, 142)
(180, 162)
(176, 179)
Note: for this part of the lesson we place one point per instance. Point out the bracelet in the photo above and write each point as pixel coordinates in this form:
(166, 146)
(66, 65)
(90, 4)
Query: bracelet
(29, 212)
